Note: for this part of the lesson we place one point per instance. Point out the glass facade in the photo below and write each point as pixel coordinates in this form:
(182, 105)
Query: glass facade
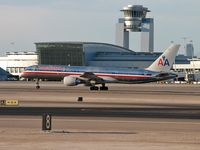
(60, 54)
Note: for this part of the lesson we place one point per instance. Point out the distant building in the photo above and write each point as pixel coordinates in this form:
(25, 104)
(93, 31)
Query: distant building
(189, 50)
(73, 53)
(184, 71)
(193, 66)
(15, 62)
(95, 54)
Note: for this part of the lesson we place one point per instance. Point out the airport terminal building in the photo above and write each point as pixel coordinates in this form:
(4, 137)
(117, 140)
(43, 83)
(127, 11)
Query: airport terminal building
(95, 54)
(74, 53)
(15, 62)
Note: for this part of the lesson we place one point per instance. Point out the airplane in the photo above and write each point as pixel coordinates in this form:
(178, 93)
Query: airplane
(91, 76)
(6, 76)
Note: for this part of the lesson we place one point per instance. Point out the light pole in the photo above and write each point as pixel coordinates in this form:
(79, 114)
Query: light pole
(185, 40)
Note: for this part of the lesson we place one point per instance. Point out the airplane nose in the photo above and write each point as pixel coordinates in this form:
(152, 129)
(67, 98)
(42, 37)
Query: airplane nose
(21, 75)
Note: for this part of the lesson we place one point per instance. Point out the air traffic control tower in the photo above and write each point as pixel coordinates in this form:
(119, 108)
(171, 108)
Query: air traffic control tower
(135, 21)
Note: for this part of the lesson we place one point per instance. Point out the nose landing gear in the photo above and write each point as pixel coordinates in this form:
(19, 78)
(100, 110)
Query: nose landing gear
(37, 84)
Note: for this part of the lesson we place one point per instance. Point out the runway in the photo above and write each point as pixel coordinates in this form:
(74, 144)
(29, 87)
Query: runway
(147, 116)
(142, 112)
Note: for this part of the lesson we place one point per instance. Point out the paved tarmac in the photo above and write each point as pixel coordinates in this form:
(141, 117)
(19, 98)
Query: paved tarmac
(103, 132)
(55, 93)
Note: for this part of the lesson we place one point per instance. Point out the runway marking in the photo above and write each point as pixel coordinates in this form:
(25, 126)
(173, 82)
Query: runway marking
(102, 120)
(139, 121)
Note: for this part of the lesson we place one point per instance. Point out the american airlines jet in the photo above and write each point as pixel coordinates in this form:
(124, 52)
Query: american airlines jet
(92, 76)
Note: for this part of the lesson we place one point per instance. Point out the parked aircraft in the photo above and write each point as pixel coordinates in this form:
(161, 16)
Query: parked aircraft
(5, 75)
(92, 76)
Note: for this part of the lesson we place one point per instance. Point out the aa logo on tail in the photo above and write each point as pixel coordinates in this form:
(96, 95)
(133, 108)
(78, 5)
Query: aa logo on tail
(163, 61)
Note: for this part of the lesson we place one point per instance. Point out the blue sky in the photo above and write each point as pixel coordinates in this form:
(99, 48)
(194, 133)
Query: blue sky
(24, 22)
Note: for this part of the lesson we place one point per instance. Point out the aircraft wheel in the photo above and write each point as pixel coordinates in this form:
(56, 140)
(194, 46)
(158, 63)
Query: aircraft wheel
(104, 88)
(94, 88)
(37, 87)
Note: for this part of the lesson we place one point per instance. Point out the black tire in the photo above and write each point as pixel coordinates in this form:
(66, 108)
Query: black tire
(94, 88)
(37, 87)
(104, 88)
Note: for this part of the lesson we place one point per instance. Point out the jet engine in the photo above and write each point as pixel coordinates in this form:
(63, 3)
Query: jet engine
(71, 81)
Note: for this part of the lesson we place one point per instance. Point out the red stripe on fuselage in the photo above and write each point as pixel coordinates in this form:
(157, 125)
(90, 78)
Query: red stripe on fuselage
(78, 74)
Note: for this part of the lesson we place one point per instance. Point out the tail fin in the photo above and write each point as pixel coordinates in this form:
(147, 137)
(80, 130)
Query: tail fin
(166, 60)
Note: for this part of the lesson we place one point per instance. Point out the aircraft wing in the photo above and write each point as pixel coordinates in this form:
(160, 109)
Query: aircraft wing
(92, 77)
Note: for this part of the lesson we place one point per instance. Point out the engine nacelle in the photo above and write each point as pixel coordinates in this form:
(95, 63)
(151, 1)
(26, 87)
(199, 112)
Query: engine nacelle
(71, 81)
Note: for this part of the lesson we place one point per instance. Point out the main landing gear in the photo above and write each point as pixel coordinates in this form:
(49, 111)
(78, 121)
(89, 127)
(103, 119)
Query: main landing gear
(96, 88)
(103, 88)
(37, 84)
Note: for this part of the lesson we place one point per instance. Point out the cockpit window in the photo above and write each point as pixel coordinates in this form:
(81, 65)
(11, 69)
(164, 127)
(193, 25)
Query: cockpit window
(31, 68)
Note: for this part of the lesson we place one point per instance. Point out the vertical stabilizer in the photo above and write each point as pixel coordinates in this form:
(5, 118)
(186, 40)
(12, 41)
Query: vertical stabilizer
(165, 61)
